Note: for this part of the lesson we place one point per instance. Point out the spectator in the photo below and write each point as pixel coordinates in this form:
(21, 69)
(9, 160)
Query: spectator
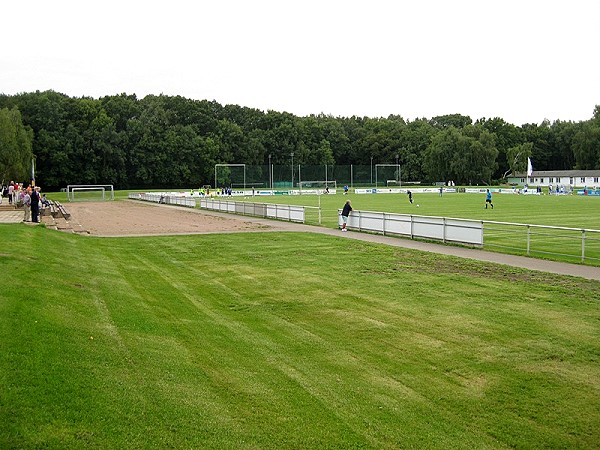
(345, 213)
(35, 204)
(26, 206)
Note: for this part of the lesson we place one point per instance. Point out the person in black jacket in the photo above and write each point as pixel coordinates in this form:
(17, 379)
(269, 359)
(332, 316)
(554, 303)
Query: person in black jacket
(345, 213)
(35, 204)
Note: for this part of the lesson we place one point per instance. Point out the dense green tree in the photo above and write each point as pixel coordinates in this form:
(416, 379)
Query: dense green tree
(541, 138)
(437, 157)
(507, 136)
(416, 138)
(15, 147)
(161, 141)
(451, 120)
(517, 158)
(465, 156)
(586, 146)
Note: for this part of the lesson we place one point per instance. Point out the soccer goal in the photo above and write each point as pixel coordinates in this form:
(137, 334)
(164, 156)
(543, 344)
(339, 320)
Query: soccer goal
(90, 192)
(388, 173)
(317, 184)
(228, 175)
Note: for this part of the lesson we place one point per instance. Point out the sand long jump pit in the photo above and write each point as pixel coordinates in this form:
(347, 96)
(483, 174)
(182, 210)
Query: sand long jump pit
(136, 218)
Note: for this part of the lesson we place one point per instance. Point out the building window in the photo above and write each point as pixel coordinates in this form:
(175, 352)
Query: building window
(595, 179)
(582, 179)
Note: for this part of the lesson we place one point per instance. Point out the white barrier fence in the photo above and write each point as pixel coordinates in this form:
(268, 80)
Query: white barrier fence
(290, 213)
(165, 198)
(532, 240)
(440, 228)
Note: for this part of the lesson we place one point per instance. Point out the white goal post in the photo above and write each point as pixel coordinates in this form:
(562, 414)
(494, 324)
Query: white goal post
(384, 169)
(99, 189)
(319, 184)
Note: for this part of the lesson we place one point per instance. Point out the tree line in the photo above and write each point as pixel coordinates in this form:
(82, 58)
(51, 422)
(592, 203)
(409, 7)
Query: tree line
(171, 141)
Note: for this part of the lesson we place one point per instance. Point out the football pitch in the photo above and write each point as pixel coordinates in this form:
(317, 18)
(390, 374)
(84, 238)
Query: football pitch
(288, 340)
(565, 210)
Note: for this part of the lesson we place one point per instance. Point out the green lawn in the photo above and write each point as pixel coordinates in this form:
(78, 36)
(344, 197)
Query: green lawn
(287, 340)
(559, 211)
(566, 211)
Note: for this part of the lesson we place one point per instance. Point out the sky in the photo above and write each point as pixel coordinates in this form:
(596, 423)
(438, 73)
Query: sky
(521, 60)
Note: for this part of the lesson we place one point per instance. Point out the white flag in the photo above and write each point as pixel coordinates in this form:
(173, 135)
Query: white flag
(529, 167)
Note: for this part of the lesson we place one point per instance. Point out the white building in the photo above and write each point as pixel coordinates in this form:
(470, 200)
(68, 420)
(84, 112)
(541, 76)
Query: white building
(567, 178)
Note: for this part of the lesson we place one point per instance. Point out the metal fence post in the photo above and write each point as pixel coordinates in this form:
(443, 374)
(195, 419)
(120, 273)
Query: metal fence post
(582, 246)
(444, 230)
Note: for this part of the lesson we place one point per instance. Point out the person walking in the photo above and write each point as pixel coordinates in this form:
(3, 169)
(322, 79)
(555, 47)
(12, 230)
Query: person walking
(409, 196)
(488, 199)
(345, 213)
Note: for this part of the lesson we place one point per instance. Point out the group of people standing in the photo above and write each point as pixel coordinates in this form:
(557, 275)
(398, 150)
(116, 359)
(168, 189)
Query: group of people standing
(28, 197)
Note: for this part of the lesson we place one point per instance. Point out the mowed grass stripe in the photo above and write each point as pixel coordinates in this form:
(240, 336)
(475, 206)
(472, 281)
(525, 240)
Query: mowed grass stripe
(290, 341)
(239, 375)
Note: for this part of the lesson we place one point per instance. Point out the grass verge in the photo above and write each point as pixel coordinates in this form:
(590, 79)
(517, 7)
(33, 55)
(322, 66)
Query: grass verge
(287, 341)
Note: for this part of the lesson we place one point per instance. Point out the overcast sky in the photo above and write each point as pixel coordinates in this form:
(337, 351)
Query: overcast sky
(521, 60)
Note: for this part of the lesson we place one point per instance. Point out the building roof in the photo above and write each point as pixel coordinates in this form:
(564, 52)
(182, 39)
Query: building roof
(559, 173)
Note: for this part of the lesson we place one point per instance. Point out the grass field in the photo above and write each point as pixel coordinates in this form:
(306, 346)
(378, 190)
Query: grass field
(285, 340)
(566, 211)
(572, 211)
(559, 211)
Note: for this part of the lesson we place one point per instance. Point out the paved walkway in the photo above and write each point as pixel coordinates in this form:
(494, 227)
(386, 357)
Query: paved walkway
(576, 270)
(10, 215)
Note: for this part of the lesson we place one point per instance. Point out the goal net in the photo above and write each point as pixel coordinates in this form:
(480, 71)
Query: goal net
(388, 174)
(90, 192)
(230, 175)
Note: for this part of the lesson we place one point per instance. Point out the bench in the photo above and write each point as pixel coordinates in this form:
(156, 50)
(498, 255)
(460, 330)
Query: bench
(52, 208)
(63, 210)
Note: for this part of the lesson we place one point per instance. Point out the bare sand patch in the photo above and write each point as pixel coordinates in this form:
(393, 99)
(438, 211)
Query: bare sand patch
(134, 218)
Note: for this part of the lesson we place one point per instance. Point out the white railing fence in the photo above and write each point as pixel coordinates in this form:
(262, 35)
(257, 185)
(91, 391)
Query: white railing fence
(531, 240)
(426, 227)
(573, 243)
(165, 198)
(290, 213)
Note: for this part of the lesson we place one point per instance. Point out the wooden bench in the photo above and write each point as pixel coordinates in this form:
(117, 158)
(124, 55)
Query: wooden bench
(51, 208)
(63, 210)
